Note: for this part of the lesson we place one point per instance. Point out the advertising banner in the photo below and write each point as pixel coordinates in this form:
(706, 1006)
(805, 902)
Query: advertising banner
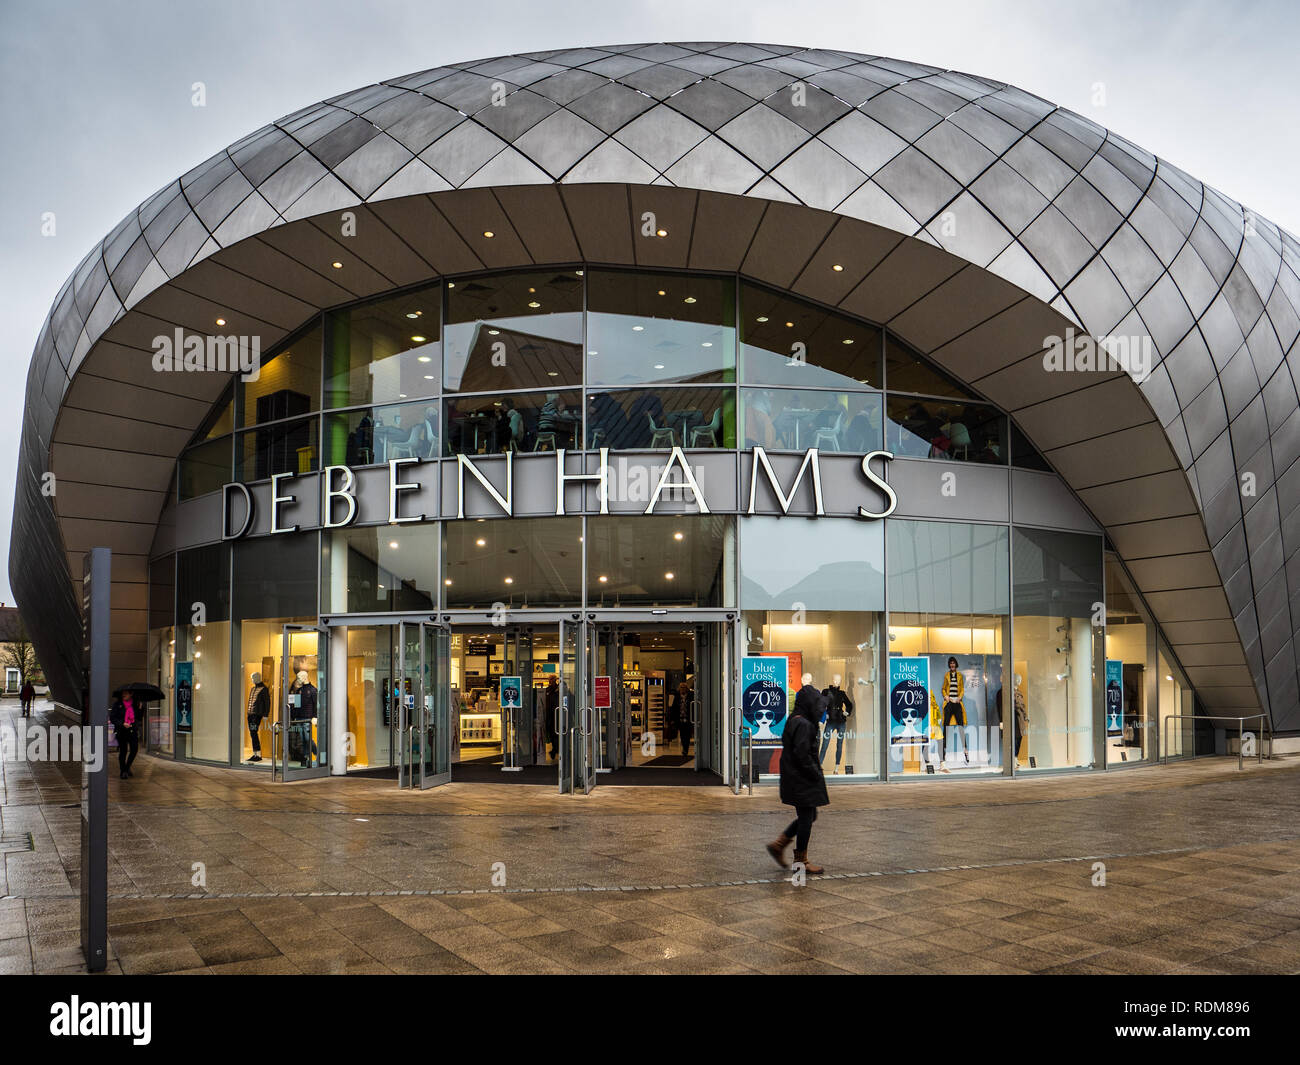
(1114, 697)
(184, 697)
(765, 700)
(602, 693)
(511, 697)
(909, 701)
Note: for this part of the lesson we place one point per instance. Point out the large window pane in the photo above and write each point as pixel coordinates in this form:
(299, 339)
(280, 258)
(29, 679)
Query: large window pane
(384, 351)
(509, 331)
(376, 434)
(525, 421)
(1058, 587)
(906, 371)
(840, 650)
(286, 447)
(797, 420)
(948, 623)
(662, 418)
(651, 328)
(654, 560)
(276, 575)
(1130, 640)
(785, 341)
(203, 641)
(287, 386)
(204, 468)
(383, 568)
(512, 563)
(794, 564)
(939, 429)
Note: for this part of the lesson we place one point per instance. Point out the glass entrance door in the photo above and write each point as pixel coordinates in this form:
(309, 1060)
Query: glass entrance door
(606, 697)
(423, 705)
(574, 727)
(710, 695)
(301, 730)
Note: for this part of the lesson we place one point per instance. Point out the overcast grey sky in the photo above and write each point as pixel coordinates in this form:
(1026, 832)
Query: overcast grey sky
(96, 106)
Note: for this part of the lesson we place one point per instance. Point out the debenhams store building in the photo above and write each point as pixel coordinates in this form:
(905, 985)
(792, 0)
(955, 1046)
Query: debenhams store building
(572, 380)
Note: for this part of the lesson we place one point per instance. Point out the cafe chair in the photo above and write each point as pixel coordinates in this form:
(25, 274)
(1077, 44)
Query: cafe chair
(707, 432)
(598, 438)
(828, 436)
(660, 435)
(545, 442)
(406, 449)
(960, 437)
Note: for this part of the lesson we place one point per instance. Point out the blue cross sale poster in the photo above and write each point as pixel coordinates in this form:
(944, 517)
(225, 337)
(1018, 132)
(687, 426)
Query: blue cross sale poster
(764, 697)
(1114, 697)
(909, 701)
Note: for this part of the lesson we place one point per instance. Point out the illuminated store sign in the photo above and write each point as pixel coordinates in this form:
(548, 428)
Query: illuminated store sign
(339, 507)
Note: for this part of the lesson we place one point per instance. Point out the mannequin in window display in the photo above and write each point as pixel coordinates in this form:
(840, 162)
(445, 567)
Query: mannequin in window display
(259, 705)
(952, 690)
(302, 711)
(1022, 715)
(838, 708)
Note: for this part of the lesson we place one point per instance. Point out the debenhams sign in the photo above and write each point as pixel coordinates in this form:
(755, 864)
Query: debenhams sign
(341, 494)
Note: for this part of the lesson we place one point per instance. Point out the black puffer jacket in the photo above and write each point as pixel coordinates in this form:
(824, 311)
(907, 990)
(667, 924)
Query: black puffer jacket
(802, 782)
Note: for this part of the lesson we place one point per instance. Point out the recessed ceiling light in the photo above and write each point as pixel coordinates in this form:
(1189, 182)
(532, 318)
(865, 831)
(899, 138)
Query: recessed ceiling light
(401, 395)
(707, 344)
(668, 576)
(420, 339)
(552, 373)
(838, 268)
(413, 314)
(578, 272)
(221, 321)
(337, 265)
(638, 329)
(533, 304)
(510, 580)
(848, 340)
(689, 299)
(789, 325)
(532, 289)
(762, 318)
(603, 579)
(663, 232)
(662, 292)
(481, 542)
(392, 544)
(677, 536)
(494, 332)
(423, 358)
(428, 377)
(447, 582)
(451, 284)
(488, 233)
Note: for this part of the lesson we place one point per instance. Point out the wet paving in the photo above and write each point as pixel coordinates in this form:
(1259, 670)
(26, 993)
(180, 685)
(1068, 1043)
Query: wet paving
(1201, 866)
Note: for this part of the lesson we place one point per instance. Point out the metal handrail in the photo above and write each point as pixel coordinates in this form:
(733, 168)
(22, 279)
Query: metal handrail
(1259, 756)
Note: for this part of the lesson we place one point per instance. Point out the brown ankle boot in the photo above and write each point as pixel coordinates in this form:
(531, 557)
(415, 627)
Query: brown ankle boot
(808, 867)
(777, 850)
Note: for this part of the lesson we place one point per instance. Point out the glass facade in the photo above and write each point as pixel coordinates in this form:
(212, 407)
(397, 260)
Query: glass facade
(941, 646)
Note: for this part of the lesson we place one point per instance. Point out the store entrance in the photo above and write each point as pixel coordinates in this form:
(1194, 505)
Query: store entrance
(589, 701)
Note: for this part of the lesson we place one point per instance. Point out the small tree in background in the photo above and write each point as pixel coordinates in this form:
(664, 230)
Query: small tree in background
(19, 653)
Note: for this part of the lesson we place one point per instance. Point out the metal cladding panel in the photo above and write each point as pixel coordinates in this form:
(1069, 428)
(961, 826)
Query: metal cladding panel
(1108, 235)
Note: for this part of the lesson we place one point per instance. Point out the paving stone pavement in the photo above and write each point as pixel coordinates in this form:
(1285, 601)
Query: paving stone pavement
(1202, 874)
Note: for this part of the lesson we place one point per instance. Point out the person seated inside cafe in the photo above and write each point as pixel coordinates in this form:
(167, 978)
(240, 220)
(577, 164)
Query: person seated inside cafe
(759, 428)
(556, 419)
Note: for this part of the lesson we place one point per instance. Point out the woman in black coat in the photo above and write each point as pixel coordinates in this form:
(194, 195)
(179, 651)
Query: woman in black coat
(802, 784)
(123, 715)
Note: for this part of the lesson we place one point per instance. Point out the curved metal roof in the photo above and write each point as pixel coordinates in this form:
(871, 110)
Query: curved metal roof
(1085, 222)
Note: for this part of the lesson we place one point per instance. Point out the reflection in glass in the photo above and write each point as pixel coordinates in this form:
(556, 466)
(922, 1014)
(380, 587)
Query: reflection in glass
(524, 421)
(287, 447)
(943, 429)
(384, 351)
(654, 560)
(385, 568)
(512, 563)
(204, 468)
(373, 435)
(511, 331)
(662, 418)
(649, 328)
(785, 341)
(907, 372)
(829, 421)
(1057, 582)
(288, 384)
(1130, 641)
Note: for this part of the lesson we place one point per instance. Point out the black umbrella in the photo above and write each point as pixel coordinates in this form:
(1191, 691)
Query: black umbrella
(141, 692)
